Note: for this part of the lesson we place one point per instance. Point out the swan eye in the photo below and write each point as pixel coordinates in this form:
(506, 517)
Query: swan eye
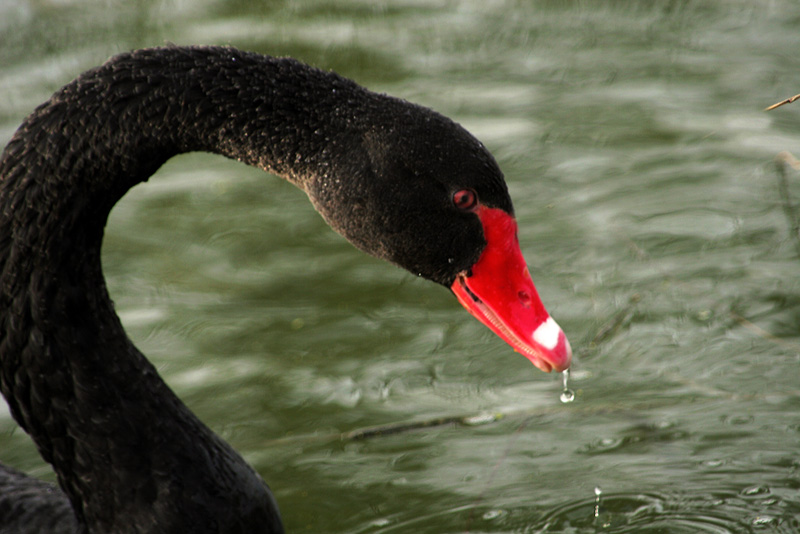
(465, 199)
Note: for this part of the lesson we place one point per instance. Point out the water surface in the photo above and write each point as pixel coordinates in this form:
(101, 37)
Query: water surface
(651, 211)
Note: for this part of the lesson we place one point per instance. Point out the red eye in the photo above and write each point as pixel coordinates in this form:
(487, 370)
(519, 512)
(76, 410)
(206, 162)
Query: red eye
(465, 199)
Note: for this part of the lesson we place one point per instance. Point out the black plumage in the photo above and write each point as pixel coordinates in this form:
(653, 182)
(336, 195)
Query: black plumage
(129, 455)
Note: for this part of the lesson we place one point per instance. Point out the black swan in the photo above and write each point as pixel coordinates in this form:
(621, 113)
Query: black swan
(399, 181)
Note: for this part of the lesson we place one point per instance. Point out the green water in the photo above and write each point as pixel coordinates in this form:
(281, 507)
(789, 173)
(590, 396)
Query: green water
(651, 212)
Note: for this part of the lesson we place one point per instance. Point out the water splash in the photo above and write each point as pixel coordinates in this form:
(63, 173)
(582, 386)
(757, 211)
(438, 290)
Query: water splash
(597, 492)
(677, 513)
(567, 395)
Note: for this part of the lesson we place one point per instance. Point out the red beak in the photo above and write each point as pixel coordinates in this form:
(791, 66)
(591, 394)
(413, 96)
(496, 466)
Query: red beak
(498, 290)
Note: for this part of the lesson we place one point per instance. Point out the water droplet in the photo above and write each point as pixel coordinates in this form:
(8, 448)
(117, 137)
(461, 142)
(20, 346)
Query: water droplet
(567, 395)
(597, 492)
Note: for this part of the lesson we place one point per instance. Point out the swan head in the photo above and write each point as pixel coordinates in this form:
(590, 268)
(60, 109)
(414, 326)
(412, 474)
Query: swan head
(416, 189)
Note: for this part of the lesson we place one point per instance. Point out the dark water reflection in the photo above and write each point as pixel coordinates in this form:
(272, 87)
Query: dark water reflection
(651, 212)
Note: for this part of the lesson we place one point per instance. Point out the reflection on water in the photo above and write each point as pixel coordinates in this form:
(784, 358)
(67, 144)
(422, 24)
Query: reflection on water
(658, 229)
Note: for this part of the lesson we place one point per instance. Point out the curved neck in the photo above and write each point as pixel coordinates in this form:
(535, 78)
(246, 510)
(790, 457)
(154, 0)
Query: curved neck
(118, 438)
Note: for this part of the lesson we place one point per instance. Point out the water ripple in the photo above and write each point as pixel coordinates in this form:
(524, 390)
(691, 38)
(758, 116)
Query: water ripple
(720, 513)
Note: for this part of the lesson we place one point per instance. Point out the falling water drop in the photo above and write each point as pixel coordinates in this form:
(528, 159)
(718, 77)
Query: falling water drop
(567, 395)
(597, 493)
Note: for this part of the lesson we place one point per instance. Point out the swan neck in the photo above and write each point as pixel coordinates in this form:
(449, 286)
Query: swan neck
(96, 408)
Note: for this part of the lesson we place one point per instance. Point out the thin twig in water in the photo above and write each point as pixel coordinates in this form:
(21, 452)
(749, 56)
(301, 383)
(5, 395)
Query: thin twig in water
(782, 162)
(764, 334)
(781, 103)
(611, 326)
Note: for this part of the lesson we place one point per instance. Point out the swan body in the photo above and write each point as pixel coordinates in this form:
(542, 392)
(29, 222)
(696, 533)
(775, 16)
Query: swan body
(399, 181)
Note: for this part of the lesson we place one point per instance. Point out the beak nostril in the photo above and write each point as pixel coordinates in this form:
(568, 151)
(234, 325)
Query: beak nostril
(524, 298)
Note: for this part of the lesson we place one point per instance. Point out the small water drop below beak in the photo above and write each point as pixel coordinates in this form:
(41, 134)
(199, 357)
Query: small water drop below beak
(567, 395)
